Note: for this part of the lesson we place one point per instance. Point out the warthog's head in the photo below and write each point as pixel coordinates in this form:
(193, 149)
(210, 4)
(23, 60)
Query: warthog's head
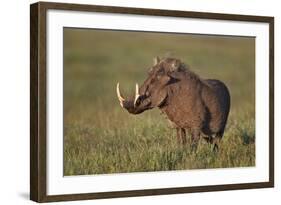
(154, 91)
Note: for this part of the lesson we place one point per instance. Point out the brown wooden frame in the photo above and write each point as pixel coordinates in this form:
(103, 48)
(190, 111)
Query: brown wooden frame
(38, 101)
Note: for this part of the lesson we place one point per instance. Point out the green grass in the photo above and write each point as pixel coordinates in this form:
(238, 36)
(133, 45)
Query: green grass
(100, 137)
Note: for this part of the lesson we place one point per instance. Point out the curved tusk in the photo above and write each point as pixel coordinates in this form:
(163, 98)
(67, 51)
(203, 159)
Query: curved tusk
(120, 98)
(137, 94)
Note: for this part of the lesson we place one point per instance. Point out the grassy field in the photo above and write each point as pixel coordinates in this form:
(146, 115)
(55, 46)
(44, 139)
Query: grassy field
(100, 137)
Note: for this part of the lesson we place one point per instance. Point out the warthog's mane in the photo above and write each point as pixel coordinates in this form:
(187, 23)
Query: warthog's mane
(181, 68)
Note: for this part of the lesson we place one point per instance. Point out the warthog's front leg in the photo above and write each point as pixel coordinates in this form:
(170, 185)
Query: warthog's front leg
(181, 135)
(195, 136)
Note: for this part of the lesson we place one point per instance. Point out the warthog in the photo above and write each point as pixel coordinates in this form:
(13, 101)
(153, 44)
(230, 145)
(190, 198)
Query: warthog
(192, 104)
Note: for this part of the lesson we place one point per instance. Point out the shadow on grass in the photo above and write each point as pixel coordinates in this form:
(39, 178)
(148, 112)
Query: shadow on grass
(24, 195)
(247, 138)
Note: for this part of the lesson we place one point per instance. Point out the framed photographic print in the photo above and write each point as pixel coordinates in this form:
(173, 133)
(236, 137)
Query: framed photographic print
(134, 102)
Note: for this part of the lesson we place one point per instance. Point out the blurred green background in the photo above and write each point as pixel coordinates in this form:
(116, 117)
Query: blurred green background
(100, 137)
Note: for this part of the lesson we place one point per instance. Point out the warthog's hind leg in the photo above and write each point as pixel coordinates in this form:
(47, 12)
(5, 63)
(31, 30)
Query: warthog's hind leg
(216, 142)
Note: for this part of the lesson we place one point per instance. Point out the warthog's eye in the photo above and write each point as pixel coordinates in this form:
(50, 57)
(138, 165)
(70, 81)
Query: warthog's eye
(159, 76)
(160, 73)
(138, 102)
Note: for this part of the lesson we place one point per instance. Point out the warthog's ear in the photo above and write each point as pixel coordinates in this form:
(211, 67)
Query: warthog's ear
(169, 78)
(156, 60)
(173, 77)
